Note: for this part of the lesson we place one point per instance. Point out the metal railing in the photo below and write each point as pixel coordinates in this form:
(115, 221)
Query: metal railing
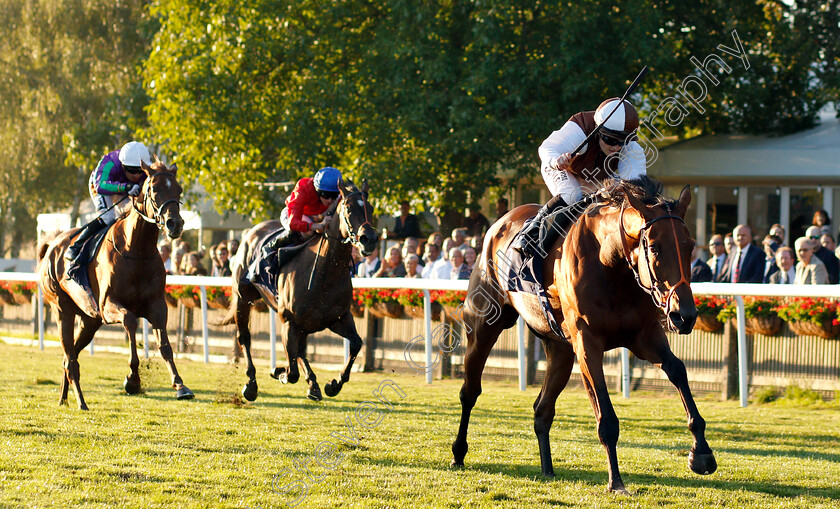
(737, 291)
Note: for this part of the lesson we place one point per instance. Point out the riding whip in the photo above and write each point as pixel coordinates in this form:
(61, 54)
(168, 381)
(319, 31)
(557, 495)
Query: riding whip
(627, 92)
(106, 210)
(317, 257)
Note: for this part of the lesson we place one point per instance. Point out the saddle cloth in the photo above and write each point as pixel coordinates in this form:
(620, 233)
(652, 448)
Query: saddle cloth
(270, 259)
(525, 274)
(78, 268)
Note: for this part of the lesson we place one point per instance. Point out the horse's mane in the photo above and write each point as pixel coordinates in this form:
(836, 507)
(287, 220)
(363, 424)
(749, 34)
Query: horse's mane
(646, 189)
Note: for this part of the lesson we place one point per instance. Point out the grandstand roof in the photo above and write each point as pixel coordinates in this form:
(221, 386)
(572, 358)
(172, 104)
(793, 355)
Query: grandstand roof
(811, 156)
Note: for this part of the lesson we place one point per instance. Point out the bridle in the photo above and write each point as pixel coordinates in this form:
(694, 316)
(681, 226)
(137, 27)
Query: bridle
(147, 198)
(352, 235)
(660, 297)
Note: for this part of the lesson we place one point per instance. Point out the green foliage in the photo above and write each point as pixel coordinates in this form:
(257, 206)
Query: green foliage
(766, 395)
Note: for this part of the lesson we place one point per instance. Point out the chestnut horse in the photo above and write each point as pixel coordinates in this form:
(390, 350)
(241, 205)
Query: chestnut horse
(323, 268)
(127, 280)
(623, 265)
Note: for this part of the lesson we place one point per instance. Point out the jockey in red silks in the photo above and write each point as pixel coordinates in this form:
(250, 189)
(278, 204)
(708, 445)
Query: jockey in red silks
(311, 197)
(117, 174)
(615, 155)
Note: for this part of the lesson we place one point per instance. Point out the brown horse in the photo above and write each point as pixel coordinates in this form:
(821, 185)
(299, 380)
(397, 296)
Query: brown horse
(127, 280)
(303, 311)
(599, 282)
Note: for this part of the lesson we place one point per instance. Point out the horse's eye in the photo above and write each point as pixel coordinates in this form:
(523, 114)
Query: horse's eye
(654, 250)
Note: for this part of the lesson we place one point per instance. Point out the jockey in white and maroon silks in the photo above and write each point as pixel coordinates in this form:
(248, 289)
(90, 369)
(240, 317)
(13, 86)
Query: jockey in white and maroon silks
(616, 154)
(117, 174)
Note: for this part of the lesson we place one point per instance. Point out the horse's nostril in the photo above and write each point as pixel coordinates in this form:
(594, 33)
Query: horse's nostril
(364, 239)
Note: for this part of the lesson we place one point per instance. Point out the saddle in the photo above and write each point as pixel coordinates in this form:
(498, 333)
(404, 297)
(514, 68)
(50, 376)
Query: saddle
(525, 273)
(264, 270)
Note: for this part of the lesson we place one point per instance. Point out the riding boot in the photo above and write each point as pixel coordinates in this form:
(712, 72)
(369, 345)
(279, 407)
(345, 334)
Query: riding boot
(87, 232)
(272, 258)
(528, 241)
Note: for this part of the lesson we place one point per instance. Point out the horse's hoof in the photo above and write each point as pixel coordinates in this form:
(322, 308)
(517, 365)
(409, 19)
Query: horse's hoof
(314, 392)
(548, 476)
(275, 374)
(332, 389)
(183, 392)
(83, 407)
(456, 464)
(620, 491)
(131, 386)
(250, 390)
(703, 464)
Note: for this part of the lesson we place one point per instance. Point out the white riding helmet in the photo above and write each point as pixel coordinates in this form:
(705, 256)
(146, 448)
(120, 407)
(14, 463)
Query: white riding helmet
(133, 152)
(624, 121)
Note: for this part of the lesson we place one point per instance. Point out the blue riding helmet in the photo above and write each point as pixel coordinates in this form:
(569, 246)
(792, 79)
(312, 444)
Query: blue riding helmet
(327, 179)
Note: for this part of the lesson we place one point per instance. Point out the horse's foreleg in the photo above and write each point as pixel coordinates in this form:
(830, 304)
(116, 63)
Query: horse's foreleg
(132, 380)
(291, 338)
(346, 328)
(243, 339)
(701, 459)
(181, 390)
(592, 371)
(561, 359)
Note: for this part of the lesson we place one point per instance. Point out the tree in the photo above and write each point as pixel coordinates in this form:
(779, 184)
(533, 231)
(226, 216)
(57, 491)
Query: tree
(429, 100)
(69, 93)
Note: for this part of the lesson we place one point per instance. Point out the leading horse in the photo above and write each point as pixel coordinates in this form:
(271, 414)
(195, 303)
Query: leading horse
(314, 290)
(623, 264)
(127, 280)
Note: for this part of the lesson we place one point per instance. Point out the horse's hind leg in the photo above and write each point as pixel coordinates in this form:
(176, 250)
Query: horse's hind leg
(701, 459)
(346, 328)
(561, 359)
(481, 337)
(314, 391)
(132, 380)
(71, 360)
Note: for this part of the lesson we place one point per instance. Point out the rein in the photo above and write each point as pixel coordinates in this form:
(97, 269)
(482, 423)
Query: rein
(660, 298)
(155, 219)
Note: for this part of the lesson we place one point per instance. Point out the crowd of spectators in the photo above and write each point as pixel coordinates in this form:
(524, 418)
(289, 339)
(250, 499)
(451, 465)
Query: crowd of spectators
(178, 258)
(733, 258)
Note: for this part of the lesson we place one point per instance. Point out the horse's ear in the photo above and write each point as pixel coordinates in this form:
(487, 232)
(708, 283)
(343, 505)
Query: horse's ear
(145, 167)
(174, 168)
(684, 201)
(365, 188)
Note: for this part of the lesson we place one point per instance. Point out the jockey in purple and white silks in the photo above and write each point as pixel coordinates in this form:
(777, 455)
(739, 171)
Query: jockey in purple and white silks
(117, 174)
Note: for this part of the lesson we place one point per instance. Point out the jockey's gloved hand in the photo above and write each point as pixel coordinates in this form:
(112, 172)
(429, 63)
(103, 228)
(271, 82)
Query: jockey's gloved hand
(134, 190)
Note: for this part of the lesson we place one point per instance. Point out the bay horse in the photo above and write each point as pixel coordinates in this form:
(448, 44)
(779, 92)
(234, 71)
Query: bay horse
(623, 264)
(303, 311)
(126, 277)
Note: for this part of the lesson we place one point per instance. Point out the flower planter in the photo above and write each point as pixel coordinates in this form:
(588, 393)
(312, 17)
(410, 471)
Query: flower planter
(219, 303)
(24, 297)
(708, 323)
(190, 302)
(260, 306)
(765, 325)
(357, 310)
(387, 309)
(419, 312)
(170, 300)
(455, 313)
(824, 330)
(7, 298)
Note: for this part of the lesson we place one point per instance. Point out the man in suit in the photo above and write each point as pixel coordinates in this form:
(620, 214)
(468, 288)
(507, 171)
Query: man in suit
(771, 243)
(746, 262)
(832, 264)
(718, 260)
(700, 272)
(810, 270)
(787, 272)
